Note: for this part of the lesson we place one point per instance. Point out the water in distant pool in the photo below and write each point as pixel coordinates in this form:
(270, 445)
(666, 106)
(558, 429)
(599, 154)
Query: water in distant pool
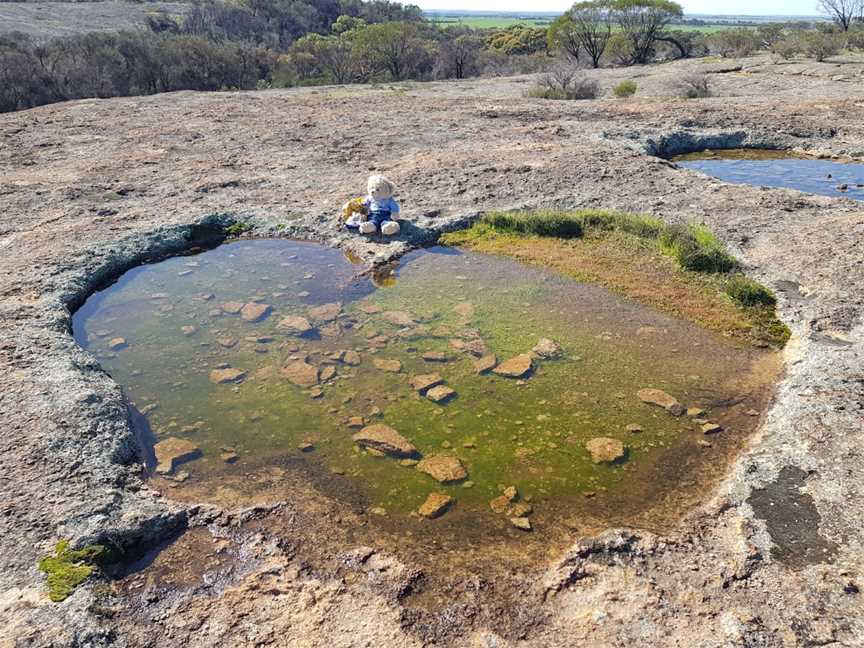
(763, 168)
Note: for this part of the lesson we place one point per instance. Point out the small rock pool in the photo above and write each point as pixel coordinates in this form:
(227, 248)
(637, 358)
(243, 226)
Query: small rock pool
(767, 168)
(455, 393)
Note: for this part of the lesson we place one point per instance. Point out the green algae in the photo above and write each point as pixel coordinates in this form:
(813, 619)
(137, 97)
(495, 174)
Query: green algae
(68, 568)
(528, 433)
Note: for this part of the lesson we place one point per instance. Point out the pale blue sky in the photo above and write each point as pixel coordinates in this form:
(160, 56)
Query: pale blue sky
(746, 7)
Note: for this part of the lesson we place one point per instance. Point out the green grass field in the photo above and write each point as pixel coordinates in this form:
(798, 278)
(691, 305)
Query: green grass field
(501, 22)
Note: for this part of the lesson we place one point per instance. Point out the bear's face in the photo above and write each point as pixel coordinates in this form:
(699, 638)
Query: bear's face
(381, 192)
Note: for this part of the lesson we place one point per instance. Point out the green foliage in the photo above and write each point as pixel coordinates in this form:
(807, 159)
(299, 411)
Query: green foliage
(747, 292)
(821, 45)
(585, 28)
(237, 229)
(641, 22)
(518, 39)
(68, 568)
(625, 89)
(539, 223)
(734, 42)
(398, 48)
(694, 247)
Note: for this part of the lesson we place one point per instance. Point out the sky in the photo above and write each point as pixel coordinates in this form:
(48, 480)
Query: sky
(732, 7)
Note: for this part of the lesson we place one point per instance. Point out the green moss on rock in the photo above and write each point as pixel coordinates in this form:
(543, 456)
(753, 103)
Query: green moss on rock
(68, 568)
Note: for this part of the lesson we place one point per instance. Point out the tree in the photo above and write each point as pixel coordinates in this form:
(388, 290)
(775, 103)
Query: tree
(395, 47)
(518, 39)
(458, 54)
(843, 12)
(642, 23)
(586, 26)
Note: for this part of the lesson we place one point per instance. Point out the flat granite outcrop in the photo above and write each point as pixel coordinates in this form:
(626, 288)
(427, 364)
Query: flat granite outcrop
(89, 189)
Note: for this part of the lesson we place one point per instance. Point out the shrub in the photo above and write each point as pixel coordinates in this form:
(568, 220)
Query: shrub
(565, 81)
(734, 42)
(694, 247)
(746, 292)
(695, 86)
(821, 45)
(787, 48)
(625, 89)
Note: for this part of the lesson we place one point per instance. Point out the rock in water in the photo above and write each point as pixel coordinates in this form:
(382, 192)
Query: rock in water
(232, 307)
(436, 505)
(605, 450)
(399, 318)
(255, 312)
(661, 399)
(517, 367)
(443, 468)
(393, 366)
(435, 356)
(228, 342)
(295, 325)
(351, 358)
(440, 394)
(486, 363)
(384, 439)
(327, 372)
(117, 343)
(300, 373)
(229, 375)
(423, 382)
(326, 312)
(547, 349)
(711, 428)
(171, 452)
(521, 523)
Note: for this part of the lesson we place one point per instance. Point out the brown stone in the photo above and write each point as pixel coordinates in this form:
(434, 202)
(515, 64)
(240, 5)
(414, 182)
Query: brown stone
(443, 468)
(326, 312)
(511, 493)
(255, 312)
(605, 450)
(356, 422)
(228, 375)
(399, 318)
(434, 356)
(393, 366)
(436, 504)
(423, 382)
(369, 309)
(300, 373)
(227, 342)
(486, 363)
(547, 349)
(188, 330)
(327, 372)
(384, 439)
(440, 394)
(695, 412)
(517, 367)
(117, 343)
(661, 399)
(521, 523)
(295, 325)
(232, 307)
(634, 428)
(500, 504)
(351, 358)
(465, 310)
(711, 428)
(171, 452)
(476, 347)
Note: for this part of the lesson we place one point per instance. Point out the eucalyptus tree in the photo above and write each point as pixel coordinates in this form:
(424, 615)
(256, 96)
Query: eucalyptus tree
(586, 26)
(643, 24)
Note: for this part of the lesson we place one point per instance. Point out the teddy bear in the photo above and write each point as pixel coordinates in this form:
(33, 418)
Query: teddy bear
(376, 211)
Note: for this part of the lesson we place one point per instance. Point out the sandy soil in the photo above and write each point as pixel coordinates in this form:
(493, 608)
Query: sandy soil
(90, 188)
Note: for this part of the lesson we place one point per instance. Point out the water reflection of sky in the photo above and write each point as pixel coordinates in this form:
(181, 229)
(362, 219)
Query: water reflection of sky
(821, 177)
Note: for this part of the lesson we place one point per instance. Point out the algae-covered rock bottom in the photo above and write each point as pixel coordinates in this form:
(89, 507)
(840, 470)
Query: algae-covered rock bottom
(458, 374)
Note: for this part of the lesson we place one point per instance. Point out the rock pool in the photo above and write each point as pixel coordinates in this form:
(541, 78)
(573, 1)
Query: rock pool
(457, 393)
(779, 169)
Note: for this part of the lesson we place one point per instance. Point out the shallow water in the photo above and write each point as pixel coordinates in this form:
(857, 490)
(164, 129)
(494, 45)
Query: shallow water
(765, 168)
(529, 433)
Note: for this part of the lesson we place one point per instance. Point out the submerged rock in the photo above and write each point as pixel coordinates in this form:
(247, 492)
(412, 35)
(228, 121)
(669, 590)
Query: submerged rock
(435, 356)
(326, 312)
(661, 399)
(255, 312)
(351, 358)
(440, 394)
(117, 343)
(227, 375)
(295, 325)
(228, 342)
(232, 307)
(711, 428)
(393, 366)
(399, 318)
(547, 349)
(369, 309)
(300, 373)
(171, 452)
(475, 347)
(327, 372)
(188, 330)
(521, 523)
(384, 439)
(422, 382)
(486, 363)
(443, 468)
(517, 367)
(605, 450)
(436, 505)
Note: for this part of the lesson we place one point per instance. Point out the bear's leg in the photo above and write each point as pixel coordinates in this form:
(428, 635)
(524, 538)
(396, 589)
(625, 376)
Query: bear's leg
(367, 227)
(389, 228)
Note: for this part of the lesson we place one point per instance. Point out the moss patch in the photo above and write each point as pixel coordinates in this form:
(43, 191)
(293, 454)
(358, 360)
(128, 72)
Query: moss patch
(68, 568)
(678, 269)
